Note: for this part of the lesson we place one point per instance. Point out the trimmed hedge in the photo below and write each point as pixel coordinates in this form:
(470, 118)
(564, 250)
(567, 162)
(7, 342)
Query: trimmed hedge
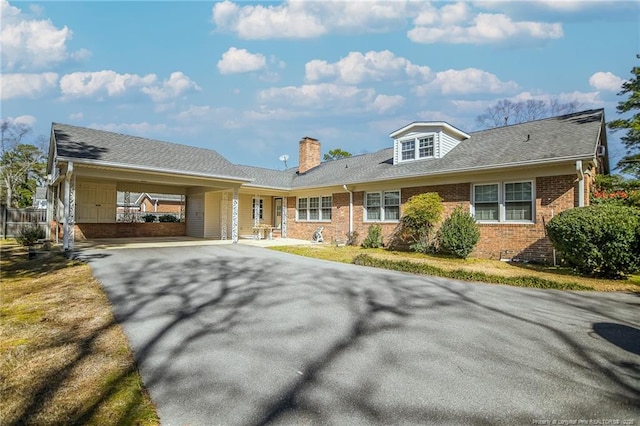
(460, 274)
(600, 239)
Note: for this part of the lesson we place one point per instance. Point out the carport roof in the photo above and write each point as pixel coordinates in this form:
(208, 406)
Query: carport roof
(84, 145)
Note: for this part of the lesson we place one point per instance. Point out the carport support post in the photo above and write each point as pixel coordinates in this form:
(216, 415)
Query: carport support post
(234, 216)
(67, 239)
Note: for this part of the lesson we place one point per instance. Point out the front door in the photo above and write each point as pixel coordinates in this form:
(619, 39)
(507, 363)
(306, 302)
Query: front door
(277, 213)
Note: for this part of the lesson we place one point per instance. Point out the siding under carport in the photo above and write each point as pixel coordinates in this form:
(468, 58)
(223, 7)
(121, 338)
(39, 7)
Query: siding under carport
(195, 215)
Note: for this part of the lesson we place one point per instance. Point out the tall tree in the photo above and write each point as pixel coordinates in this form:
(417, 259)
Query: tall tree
(630, 163)
(506, 112)
(22, 165)
(336, 154)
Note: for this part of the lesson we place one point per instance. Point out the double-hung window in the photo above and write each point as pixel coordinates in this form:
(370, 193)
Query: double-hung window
(257, 205)
(382, 206)
(504, 202)
(487, 206)
(425, 147)
(314, 209)
(408, 149)
(518, 201)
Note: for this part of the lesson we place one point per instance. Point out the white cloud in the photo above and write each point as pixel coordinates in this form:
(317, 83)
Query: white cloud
(305, 19)
(606, 81)
(26, 85)
(142, 128)
(110, 83)
(240, 60)
(451, 23)
(318, 96)
(386, 103)
(483, 28)
(194, 111)
(177, 84)
(356, 68)
(80, 84)
(76, 116)
(260, 22)
(29, 44)
(27, 120)
(470, 80)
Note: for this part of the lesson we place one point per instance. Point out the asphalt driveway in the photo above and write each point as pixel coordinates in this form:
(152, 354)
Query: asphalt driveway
(239, 335)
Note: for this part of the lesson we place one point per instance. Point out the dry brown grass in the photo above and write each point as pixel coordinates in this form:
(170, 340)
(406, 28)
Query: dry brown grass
(346, 254)
(64, 358)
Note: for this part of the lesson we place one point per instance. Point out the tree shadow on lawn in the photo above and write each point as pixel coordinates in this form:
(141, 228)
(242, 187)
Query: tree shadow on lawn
(281, 339)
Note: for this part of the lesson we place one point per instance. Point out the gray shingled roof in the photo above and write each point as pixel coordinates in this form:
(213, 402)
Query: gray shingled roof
(82, 143)
(570, 136)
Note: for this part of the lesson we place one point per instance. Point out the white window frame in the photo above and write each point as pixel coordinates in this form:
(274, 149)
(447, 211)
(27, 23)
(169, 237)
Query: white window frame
(260, 209)
(502, 202)
(322, 210)
(382, 207)
(415, 153)
(429, 138)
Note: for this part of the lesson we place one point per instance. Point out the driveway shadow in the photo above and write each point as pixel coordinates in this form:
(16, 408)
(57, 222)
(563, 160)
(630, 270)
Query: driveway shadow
(623, 336)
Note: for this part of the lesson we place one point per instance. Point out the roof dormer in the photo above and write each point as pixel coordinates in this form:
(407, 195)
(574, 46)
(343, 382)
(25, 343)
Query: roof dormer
(424, 140)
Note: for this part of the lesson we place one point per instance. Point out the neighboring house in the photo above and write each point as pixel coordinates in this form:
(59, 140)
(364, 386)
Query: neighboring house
(161, 203)
(139, 204)
(40, 198)
(512, 179)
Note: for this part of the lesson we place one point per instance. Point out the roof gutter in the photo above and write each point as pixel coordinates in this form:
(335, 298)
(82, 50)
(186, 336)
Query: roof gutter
(452, 171)
(154, 170)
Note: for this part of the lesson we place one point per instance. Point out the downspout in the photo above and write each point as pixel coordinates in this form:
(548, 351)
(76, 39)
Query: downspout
(350, 210)
(580, 183)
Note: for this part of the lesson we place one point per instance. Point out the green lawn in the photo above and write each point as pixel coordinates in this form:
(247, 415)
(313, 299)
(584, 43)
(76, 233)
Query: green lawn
(491, 271)
(64, 358)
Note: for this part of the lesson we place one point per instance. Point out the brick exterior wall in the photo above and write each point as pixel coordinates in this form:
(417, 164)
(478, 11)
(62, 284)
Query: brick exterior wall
(85, 231)
(309, 154)
(500, 240)
(162, 207)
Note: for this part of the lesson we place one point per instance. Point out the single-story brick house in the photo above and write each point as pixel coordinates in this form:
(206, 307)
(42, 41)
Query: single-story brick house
(512, 179)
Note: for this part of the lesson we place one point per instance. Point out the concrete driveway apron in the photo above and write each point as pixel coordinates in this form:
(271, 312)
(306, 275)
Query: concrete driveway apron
(239, 335)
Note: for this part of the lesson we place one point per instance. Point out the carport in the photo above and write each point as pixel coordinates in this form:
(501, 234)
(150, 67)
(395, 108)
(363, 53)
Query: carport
(87, 167)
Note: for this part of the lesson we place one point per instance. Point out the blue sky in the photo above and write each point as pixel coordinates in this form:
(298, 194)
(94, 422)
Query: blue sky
(250, 79)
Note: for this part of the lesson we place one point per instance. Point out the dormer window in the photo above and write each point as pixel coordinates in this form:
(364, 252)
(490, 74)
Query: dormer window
(417, 148)
(425, 140)
(425, 147)
(408, 150)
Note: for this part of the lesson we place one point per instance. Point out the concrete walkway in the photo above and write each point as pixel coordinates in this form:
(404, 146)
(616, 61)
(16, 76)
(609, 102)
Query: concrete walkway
(151, 242)
(238, 335)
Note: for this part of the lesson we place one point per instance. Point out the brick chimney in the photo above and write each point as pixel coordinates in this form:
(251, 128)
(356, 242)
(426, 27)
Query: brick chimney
(309, 154)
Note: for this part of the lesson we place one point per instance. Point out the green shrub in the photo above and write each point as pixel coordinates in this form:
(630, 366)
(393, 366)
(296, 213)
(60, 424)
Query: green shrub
(168, 218)
(29, 235)
(601, 239)
(421, 214)
(149, 218)
(459, 233)
(374, 237)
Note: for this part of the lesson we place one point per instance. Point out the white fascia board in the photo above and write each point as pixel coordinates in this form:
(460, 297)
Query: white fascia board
(442, 124)
(153, 170)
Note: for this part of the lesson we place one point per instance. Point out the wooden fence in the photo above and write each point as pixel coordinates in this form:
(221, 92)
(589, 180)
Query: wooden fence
(14, 219)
